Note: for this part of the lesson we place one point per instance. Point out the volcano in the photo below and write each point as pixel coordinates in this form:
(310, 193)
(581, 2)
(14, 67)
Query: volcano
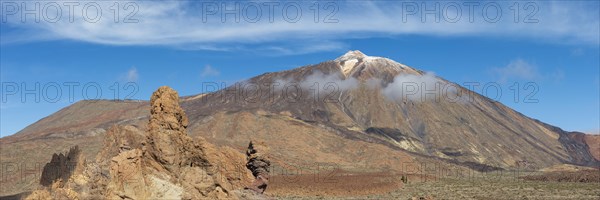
(355, 112)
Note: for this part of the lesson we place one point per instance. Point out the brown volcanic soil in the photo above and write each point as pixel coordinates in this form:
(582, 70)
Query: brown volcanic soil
(340, 183)
(23, 155)
(22, 162)
(84, 118)
(593, 142)
(333, 183)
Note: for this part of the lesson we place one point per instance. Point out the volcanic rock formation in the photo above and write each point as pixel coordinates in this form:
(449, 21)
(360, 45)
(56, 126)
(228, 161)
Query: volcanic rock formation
(62, 166)
(163, 162)
(258, 164)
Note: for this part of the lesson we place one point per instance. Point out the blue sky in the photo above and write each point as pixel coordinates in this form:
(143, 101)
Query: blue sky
(184, 44)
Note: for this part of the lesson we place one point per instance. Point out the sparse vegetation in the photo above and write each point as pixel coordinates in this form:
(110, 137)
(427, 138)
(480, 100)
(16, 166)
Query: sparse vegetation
(483, 187)
(498, 188)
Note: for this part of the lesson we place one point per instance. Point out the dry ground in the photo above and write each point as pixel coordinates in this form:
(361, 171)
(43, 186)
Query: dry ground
(388, 186)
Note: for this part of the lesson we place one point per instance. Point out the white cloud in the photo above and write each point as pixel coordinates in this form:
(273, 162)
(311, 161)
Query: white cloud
(180, 24)
(413, 87)
(319, 79)
(404, 87)
(131, 75)
(209, 71)
(520, 69)
(517, 69)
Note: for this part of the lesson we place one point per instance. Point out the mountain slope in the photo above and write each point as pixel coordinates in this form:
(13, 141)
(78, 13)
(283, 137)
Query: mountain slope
(84, 118)
(355, 112)
(472, 129)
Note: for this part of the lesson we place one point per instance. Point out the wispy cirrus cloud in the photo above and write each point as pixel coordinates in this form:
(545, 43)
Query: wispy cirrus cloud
(193, 25)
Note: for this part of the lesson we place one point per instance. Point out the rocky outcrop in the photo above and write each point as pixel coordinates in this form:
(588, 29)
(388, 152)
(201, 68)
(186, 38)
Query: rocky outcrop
(258, 163)
(168, 142)
(60, 176)
(160, 163)
(62, 166)
(170, 164)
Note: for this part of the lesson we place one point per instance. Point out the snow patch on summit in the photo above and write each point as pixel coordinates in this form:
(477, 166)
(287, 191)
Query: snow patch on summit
(352, 59)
